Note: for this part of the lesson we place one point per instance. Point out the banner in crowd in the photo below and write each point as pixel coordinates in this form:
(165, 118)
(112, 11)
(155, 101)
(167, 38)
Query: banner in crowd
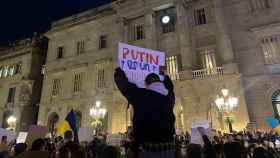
(22, 137)
(196, 138)
(138, 62)
(85, 134)
(11, 135)
(35, 132)
(114, 139)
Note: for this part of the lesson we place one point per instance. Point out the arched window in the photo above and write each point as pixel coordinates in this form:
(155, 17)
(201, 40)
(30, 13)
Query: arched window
(276, 103)
(52, 121)
(78, 118)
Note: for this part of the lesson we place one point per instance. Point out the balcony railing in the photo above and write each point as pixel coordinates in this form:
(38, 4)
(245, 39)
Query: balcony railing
(208, 73)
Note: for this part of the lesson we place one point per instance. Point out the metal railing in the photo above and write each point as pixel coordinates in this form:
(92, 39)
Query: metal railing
(208, 73)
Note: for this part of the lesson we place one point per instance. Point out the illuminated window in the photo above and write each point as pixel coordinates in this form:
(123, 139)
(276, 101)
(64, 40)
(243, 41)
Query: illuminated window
(6, 71)
(200, 16)
(12, 70)
(169, 27)
(209, 60)
(56, 89)
(80, 47)
(167, 19)
(271, 49)
(78, 79)
(172, 67)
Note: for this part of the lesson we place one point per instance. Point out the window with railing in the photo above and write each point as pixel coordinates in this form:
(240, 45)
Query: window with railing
(78, 81)
(101, 78)
(172, 66)
(100, 68)
(260, 4)
(56, 88)
(80, 47)
(271, 49)
(10, 70)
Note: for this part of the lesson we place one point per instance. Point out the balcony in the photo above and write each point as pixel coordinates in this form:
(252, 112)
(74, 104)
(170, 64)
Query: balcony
(207, 73)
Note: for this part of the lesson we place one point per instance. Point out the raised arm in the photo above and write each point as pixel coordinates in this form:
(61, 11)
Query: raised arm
(168, 83)
(169, 86)
(128, 90)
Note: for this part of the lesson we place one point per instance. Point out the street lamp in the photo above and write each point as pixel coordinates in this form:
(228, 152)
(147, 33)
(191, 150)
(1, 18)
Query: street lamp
(165, 19)
(12, 122)
(97, 113)
(226, 104)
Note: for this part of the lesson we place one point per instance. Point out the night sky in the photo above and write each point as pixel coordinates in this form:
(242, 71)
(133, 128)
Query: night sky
(20, 18)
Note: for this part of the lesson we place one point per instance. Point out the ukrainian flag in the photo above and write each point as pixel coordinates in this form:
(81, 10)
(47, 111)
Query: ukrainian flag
(273, 123)
(69, 124)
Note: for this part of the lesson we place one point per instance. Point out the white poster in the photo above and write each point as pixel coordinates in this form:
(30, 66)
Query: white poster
(11, 135)
(85, 134)
(138, 62)
(22, 137)
(196, 138)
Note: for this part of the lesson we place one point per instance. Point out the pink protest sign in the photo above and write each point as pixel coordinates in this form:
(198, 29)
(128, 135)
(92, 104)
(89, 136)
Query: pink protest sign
(138, 62)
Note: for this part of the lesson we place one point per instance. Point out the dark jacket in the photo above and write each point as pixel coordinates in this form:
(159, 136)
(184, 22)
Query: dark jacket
(209, 151)
(153, 120)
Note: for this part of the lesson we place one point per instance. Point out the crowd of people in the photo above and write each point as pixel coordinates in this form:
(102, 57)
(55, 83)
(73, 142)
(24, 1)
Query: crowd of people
(59, 147)
(235, 145)
(153, 134)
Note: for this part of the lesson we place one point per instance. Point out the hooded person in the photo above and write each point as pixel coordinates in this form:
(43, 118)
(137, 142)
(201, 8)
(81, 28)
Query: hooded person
(153, 119)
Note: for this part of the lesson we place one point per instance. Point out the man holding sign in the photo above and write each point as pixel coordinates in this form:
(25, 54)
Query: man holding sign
(153, 120)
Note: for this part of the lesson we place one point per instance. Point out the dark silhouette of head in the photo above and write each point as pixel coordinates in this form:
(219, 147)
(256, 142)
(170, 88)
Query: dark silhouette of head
(64, 152)
(151, 78)
(260, 153)
(194, 151)
(110, 152)
(20, 148)
(38, 144)
(68, 135)
(234, 150)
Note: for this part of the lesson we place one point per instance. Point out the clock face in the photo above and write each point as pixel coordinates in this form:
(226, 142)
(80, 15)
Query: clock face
(165, 19)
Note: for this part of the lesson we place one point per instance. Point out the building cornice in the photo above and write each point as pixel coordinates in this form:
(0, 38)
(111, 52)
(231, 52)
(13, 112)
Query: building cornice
(266, 30)
(81, 18)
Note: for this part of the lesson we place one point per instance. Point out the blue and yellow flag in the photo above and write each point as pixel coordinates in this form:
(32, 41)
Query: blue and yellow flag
(273, 123)
(69, 124)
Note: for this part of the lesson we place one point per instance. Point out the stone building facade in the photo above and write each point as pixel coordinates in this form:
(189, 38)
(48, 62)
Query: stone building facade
(202, 52)
(21, 81)
(254, 28)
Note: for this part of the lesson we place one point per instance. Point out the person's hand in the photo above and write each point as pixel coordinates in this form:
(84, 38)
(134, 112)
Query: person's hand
(202, 131)
(162, 70)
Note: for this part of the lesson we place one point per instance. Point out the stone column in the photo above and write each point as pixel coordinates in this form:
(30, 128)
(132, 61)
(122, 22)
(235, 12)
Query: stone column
(223, 38)
(122, 35)
(184, 34)
(150, 30)
(1, 115)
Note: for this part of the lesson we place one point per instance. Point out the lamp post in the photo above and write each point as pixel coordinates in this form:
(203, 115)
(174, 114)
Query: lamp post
(226, 103)
(12, 122)
(97, 113)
